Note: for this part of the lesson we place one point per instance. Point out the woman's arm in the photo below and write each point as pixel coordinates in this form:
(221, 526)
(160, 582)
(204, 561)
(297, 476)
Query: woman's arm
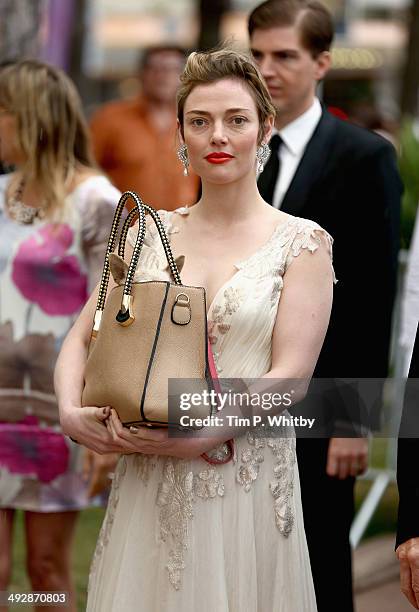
(87, 424)
(302, 319)
(69, 369)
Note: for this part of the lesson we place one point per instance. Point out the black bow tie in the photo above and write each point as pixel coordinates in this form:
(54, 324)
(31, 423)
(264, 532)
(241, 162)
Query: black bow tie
(268, 178)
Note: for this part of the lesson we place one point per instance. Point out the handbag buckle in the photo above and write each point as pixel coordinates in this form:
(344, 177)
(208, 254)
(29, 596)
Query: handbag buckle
(125, 315)
(181, 309)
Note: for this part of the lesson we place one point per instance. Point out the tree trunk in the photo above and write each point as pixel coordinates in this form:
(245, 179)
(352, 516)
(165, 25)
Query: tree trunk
(410, 87)
(210, 15)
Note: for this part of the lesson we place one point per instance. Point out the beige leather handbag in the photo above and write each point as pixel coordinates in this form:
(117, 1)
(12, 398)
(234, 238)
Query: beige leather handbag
(144, 334)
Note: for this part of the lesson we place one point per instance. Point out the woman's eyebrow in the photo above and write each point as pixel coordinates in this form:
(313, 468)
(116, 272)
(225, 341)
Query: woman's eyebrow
(206, 113)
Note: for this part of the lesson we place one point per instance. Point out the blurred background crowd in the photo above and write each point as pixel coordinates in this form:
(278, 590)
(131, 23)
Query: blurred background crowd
(125, 58)
(374, 81)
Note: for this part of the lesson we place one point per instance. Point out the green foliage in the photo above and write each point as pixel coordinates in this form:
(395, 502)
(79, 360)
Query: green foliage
(384, 519)
(409, 170)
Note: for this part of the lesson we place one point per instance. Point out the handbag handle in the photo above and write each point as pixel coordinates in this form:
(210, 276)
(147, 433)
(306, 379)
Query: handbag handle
(125, 315)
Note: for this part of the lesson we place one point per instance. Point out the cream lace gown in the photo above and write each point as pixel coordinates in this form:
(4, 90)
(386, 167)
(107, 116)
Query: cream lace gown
(186, 536)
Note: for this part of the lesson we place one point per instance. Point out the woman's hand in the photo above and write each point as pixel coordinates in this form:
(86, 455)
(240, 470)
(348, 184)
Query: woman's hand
(98, 470)
(156, 441)
(87, 426)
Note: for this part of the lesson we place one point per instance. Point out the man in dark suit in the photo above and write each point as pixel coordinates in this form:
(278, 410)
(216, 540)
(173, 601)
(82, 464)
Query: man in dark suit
(344, 178)
(407, 540)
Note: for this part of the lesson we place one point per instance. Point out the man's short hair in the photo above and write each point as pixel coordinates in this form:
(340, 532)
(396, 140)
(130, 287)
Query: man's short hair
(313, 19)
(148, 52)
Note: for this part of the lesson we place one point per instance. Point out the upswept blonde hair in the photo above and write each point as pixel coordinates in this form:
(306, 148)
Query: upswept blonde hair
(225, 63)
(51, 128)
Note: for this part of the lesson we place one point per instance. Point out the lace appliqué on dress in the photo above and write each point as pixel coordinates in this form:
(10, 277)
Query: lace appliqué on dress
(251, 458)
(208, 484)
(309, 236)
(175, 499)
(282, 487)
(220, 453)
(218, 323)
(107, 524)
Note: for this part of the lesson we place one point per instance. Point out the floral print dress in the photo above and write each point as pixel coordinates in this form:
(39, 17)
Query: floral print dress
(47, 269)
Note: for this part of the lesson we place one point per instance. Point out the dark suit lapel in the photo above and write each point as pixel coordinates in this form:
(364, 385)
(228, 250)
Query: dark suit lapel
(311, 165)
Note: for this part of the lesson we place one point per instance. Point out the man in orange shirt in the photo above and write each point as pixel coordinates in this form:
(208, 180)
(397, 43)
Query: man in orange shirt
(135, 141)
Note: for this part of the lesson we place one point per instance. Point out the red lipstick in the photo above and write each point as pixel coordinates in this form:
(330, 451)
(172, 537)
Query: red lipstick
(219, 157)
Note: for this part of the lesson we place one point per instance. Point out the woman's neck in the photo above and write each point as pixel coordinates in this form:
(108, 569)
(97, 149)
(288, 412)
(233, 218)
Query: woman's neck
(228, 202)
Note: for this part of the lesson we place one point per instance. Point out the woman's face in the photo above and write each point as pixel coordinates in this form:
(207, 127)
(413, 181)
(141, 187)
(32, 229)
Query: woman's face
(10, 149)
(221, 128)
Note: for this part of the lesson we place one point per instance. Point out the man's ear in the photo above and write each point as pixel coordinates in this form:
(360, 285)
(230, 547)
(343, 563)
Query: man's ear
(323, 64)
(269, 125)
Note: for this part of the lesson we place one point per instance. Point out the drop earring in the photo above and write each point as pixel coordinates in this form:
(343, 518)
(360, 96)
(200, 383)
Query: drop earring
(182, 154)
(262, 155)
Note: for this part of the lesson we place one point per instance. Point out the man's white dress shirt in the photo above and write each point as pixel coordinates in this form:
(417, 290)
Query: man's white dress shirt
(295, 137)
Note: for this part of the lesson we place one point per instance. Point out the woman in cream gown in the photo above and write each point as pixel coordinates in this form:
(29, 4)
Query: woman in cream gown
(180, 534)
(185, 535)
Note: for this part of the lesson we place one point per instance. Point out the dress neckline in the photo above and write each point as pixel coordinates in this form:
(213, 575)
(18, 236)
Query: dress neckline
(240, 264)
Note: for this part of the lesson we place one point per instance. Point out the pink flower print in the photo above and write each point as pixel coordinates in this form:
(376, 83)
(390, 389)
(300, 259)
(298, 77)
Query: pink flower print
(29, 450)
(46, 276)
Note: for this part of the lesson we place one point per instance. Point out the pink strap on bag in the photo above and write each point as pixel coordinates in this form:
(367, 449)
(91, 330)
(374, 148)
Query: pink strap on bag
(229, 443)
(213, 368)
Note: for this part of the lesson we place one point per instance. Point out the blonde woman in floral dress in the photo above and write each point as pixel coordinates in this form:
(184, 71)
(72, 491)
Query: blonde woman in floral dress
(181, 535)
(55, 213)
